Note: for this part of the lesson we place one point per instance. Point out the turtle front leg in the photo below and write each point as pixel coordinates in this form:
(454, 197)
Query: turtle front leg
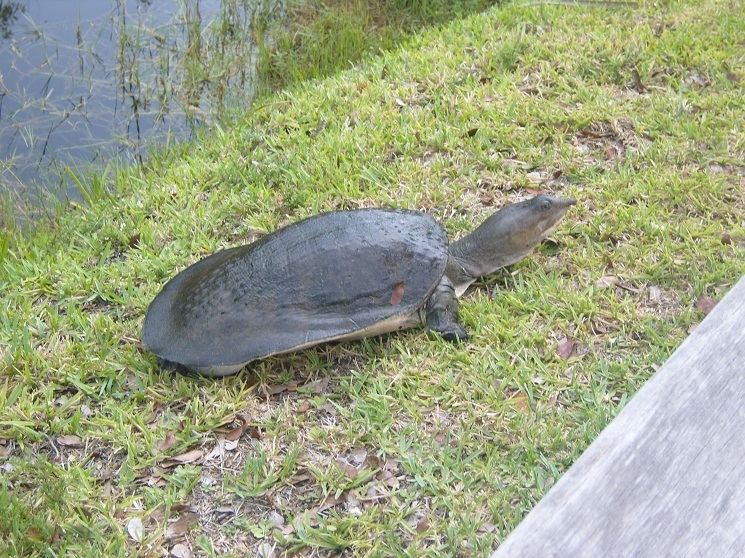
(442, 312)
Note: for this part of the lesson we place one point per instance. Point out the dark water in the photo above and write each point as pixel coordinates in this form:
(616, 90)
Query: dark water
(88, 81)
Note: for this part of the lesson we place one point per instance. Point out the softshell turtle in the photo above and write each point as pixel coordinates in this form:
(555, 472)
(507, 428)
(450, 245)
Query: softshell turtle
(335, 276)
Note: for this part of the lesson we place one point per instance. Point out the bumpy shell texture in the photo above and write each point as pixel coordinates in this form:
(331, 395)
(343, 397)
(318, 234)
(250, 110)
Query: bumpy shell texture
(319, 279)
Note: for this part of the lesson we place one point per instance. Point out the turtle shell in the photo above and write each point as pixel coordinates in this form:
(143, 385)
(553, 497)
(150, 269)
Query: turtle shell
(331, 276)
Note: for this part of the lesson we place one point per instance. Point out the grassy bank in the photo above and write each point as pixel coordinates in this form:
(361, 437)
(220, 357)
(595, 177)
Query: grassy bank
(400, 445)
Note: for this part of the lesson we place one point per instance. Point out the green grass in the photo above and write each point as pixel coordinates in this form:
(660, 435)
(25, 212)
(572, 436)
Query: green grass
(414, 446)
(318, 37)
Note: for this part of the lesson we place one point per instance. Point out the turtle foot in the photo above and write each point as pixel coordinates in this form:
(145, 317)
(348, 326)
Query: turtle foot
(455, 333)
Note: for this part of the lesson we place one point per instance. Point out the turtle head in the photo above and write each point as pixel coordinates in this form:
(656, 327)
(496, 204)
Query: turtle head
(506, 237)
(531, 221)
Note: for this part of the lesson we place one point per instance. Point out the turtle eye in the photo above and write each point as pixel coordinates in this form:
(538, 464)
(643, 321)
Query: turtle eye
(546, 205)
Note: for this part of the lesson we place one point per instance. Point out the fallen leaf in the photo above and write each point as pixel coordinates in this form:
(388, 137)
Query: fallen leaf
(276, 519)
(276, 390)
(400, 103)
(521, 402)
(472, 132)
(329, 502)
(70, 441)
(304, 407)
(391, 465)
(398, 293)
(181, 525)
(288, 529)
(358, 456)
(188, 457)
(317, 386)
(254, 432)
(180, 551)
(705, 304)
(607, 281)
(566, 348)
(136, 529)
(236, 432)
(349, 470)
(610, 152)
(167, 443)
(422, 526)
(297, 479)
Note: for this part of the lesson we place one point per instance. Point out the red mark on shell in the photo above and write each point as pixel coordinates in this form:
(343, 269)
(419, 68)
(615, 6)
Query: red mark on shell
(398, 293)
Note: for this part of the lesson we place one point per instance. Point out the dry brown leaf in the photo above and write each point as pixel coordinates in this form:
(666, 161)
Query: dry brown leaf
(329, 502)
(297, 479)
(391, 465)
(705, 304)
(276, 519)
(317, 386)
(70, 441)
(487, 528)
(566, 348)
(188, 457)
(236, 433)
(179, 527)
(422, 526)
(288, 529)
(357, 456)
(167, 443)
(349, 470)
(303, 407)
(607, 281)
(254, 432)
(277, 389)
(521, 402)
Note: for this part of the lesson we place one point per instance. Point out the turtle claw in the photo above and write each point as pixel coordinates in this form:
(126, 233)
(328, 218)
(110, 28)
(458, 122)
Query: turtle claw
(455, 334)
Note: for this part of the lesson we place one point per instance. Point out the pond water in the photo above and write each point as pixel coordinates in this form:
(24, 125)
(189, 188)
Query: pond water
(88, 81)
